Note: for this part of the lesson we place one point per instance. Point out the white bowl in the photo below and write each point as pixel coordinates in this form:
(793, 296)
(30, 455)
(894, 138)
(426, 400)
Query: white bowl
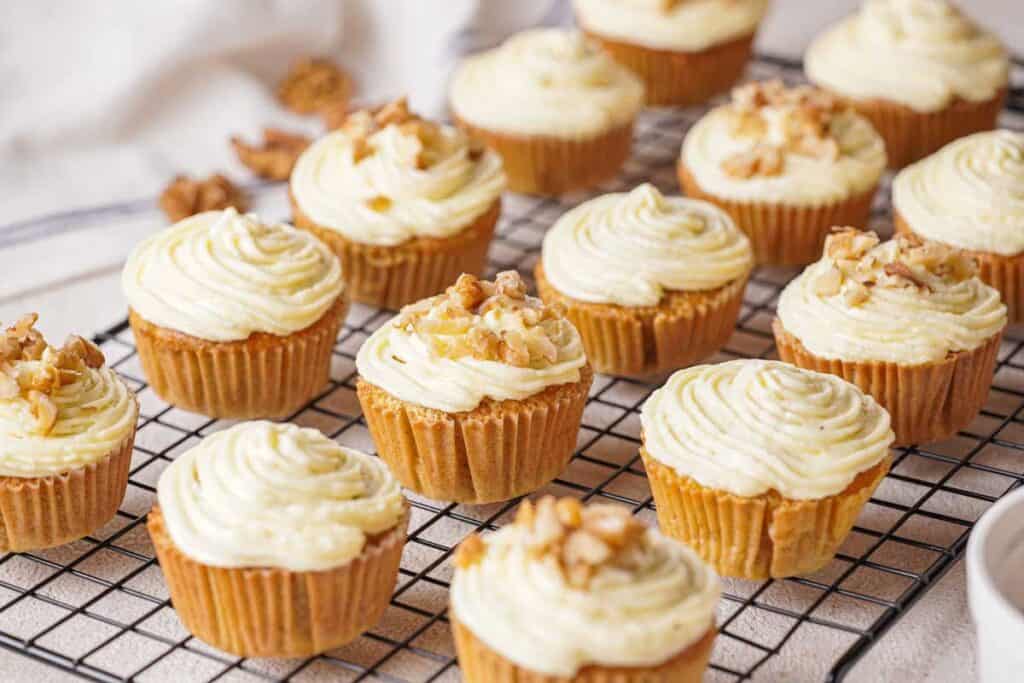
(995, 589)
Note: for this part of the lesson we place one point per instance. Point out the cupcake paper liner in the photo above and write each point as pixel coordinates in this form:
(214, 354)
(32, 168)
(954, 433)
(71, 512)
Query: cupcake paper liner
(393, 276)
(784, 234)
(679, 78)
(758, 537)
(549, 165)
(1005, 273)
(912, 135)
(272, 612)
(480, 664)
(264, 376)
(927, 401)
(645, 341)
(497, 451)
(42, 512)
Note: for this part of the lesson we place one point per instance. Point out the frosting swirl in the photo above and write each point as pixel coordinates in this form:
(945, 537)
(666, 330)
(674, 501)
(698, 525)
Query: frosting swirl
(627, 249)
(386, 194)
(546, 82)
(751, 426)
(690, 26)
(894, 302)
(522, 605)
(222, 276)
(919, 53)
(262, 494)
(969, 194)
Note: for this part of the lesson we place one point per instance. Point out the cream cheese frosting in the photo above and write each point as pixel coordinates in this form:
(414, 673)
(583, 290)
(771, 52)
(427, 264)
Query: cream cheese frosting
(642, 612)
(387, 194)
(629, 248)
(222, 275)
(546, 82)
(919, 53)
(442, 354)
(802, 178)
(262, 494)
(969, 194)
(752, 426)
(897, 301)
(687, 26)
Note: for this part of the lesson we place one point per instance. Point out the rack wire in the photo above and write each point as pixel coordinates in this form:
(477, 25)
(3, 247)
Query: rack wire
(98, 608)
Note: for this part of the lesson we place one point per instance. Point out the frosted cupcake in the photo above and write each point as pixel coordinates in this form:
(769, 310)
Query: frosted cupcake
(277, 542)
(760, 466)
(581, 593)
(234, 317)
(67, 425)
(787, 164)
(557, 108)
(921, 70)
(909, 323)
(407, 204)
(685, 51)
(475, 395)
(970, 195)
(652, 283)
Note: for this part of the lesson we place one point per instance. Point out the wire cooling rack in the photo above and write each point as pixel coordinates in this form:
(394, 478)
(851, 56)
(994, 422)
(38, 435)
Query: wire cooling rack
(98, 608)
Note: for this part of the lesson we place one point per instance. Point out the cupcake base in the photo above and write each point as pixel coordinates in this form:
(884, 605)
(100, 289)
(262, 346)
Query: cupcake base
(912, 135)
(1005, 273)
(270, 612)
(927, 401)
(393, 276)
(676, 78)
(758, 537)
(497, 451)
(783, 234)
(646, 341)
(480, 664)
(43, 512)
(549, 165)
(264, 376)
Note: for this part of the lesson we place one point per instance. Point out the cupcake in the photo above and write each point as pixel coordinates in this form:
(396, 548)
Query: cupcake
(585, 594)
(685, 51)
(923, 72)
(557, 108)
(67, 425)
(406, 204)
(475, 395)
(760, 466)
(652, 283)
(970, 195)
(277, 542)
(233, 317)
(787, 164)
(909, 323)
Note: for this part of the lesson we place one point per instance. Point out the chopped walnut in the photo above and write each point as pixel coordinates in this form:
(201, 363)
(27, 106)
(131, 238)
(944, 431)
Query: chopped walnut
(276, 157)
(314, 85)
(32, 369)
(186, 197)
(901, 270)
(521, 332)
(581, 539)
(846, 243)
(763, 160)
(829, 282)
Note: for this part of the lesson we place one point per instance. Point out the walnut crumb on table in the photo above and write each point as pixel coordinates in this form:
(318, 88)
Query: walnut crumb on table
(276, 157)
(315, 86)
(186, 197)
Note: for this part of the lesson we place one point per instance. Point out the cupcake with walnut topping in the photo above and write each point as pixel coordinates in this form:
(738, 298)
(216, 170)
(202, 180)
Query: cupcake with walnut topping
(67, 425)
(475, 395)
(787, 164)
(407, 204)
(581, 593)
(908, 322)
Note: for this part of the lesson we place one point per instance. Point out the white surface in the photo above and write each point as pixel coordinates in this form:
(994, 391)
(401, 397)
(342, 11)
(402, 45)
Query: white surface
(72, 278)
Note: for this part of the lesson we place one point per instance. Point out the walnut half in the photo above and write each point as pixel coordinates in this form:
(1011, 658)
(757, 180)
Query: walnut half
(276, 157)
(186, 197)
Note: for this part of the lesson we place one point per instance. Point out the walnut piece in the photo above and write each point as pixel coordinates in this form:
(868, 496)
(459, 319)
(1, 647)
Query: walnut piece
(313, 85)
(762, 160)
(361, 125)
(186, 197)
(276, 157)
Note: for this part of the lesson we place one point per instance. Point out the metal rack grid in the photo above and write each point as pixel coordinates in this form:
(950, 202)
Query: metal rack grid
(105, 593)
